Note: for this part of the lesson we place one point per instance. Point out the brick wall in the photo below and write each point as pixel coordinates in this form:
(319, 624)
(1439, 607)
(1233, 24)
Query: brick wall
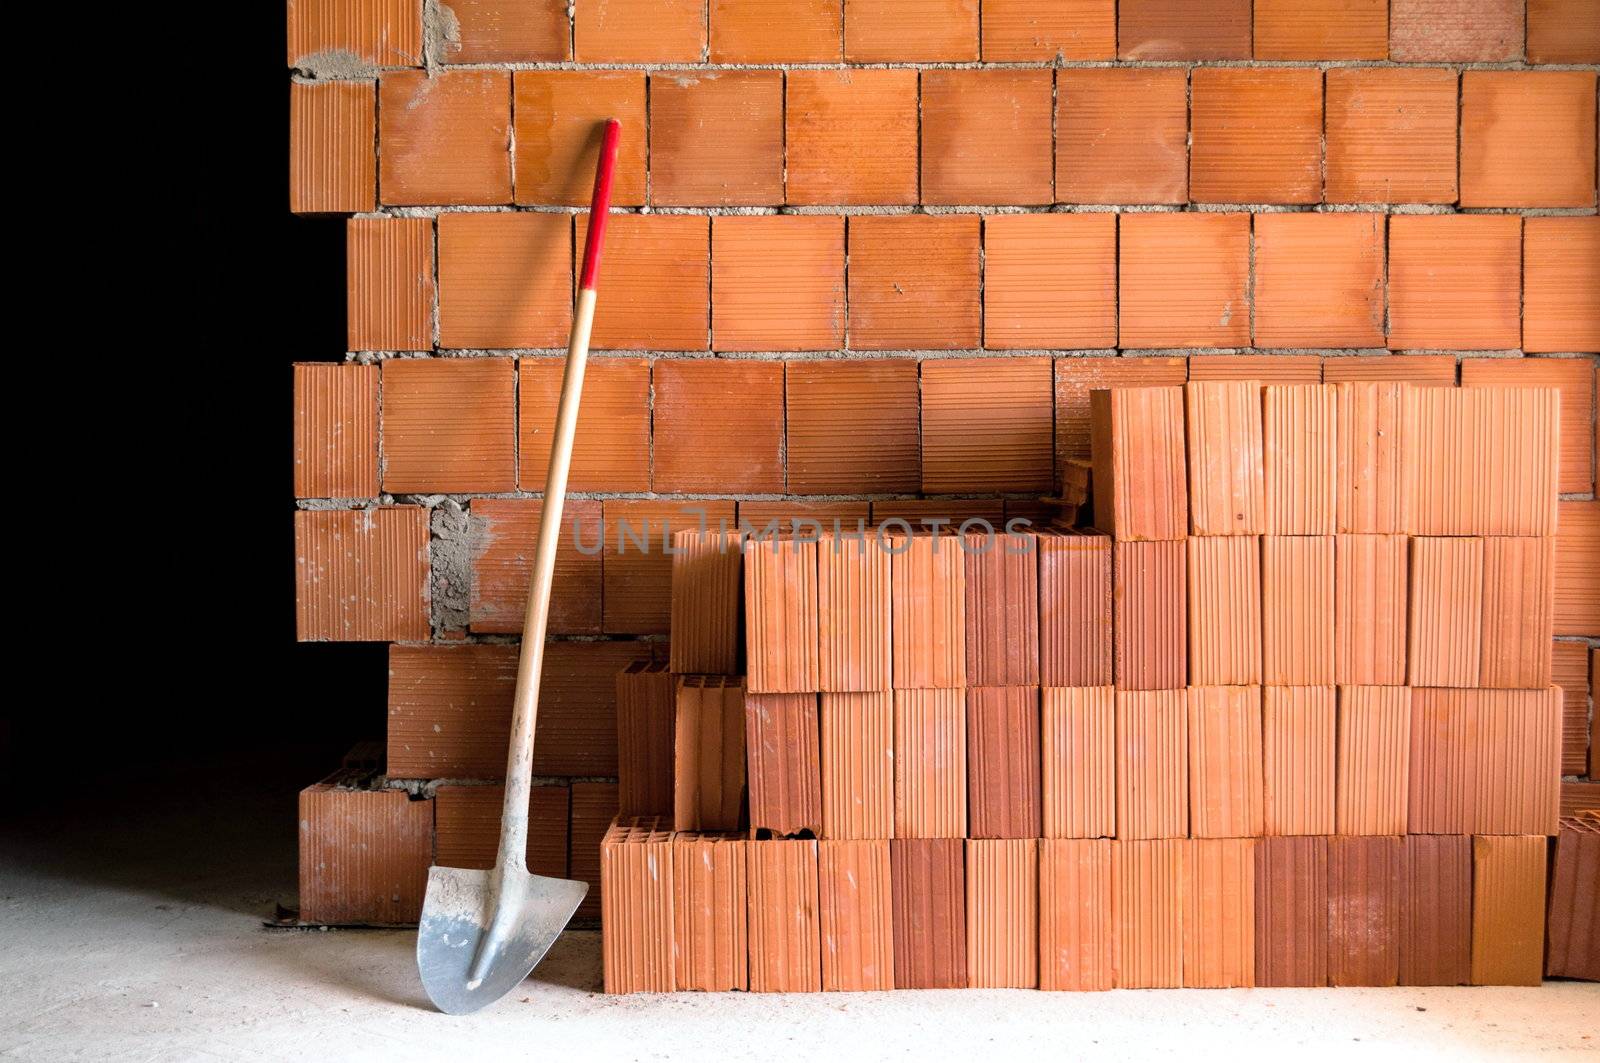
(870, 256)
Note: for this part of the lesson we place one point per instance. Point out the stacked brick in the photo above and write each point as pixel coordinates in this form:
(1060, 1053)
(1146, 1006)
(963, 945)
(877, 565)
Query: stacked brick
(923, 242)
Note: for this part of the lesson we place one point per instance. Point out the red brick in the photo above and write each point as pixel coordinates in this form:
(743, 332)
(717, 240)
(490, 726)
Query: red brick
(928, 602)
(636, 568)
(647, 710)
(793, 516)
(1020, 31)
(1363, 911)
(1122, 136)
(1150, 645)
(850, 136)
(1079, 762)
(1578, 569)
(1455, 31)
(378, 32)
(1219, 913)
(716, 139)
(636, 922)
(335, 430)
(1446, 611)
(832, 406)
(508, 31)
(1291, 895)
(1075, 915)
(594, 806)
(1455, 282)
(1148, 905)
(1480, 461)
(505, 531)
(1223, 427)
(1257, 136)
(1152, 764)
(777, 283)
(361, 575)
(914, 282)
(505, 280)
(970, 118)
(910, 31)
(1075, 610)
(1518, 612)
(1298, 726)
(1224, 610)
(1369, 610)
(611, 451)
(1262, 368)
(1574, 378)
(640, 31)
(449, 425)
(707, 593)
(1432, 370)
(710, 912)
(776, 31)
(1527, 138)
(1140, 490)
(1436, 910)
(718, 426)
(1050, 280)
(332, 165)
(858, 765)
(389, 284)
(1391, 136)
(782, 737)
(1184, 280)
(1077, 377)
(1002, 609)
(1182, 29)
(1569, 668)
(466, 826)
(364, 855)
(853, 883)
(1297, 610)
(780, 608)
(1561, 272)
(1319, 280)
(930, 764)
(1563, 31)
(1300, 452)
(929, 889)
(1321, 29)
(558, 115)
(709, 766)
(655, 275)
(855, 649)
(1225, 762)
(444, 137)
(986, 425)
(1003, 914)
(1372, 788)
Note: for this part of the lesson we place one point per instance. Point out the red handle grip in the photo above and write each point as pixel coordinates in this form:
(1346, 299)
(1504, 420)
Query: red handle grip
(600, 203)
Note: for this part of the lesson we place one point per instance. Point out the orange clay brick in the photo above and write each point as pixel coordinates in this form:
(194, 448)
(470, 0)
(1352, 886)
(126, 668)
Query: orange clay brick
(1257, 136)
(1003, 762)
(1363, 911)
(986, 425)
(785, 945)
(1075, 610)
(718, 426)
(1225, 762)
(1561, 270)
(1262, 368)
(1075, 914)
(1455, 31)
(1050, 280)
(640, 31)
(782, 736)
(1518, 757)
(1152, 764)
(1373, 495)
(505, 280)
(389, 284)
(1563, 31)
(1430, 370)
(502, 564)
(655, 273)
(1225, 472)
(1391, 136)
(444, 138)
(647, 709)
(449, 425)
(851, 136)
(467, 826)
(1003, 913)
(910, 31)
(716, 139)
(508, 31)
(1569, 670)
(1182, 29)
(710, 912)
(1321, 29)
(1020, 31)
(970, 118)
(636, 906)
(709, 753)
(1298, 725)
(928, 879)
(1148, 906)
(1446, 611)
(1528, 138)
(1319, 280)
(1508, 898)
(1224, 610)
(1578, 569)
(611, 451)
(335, 430)
(780, 608)
(1574, 379)
(1369, 610)
(364, 855)
(1480, 461)
(379, 32)
(913, 282)
(1455, 282)
(1002, 609)
(1300, 454)
(1219, 917)
(332, 167)
(855, 650)
(361, 575)
(1150, 643)
(1122, 136)
(777, 283)
(594, 807)
(707, 590)
(1184, 280)
(832, 406)
(1291, 902)
(558, 117)
(856, 915)
(1077, 377)
(1374, 760)
(857, 765)
(1080, 756)
(1297, 610)
(930, 764)
(928, 590)
(776, 31)
(636, 567)
(1518, 612)
(793, 516)
(1139, 477)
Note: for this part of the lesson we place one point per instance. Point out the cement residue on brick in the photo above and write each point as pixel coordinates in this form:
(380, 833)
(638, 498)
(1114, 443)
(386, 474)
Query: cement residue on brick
(457, 540)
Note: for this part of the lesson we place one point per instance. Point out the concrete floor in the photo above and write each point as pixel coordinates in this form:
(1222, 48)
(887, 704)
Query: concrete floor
(141, 937)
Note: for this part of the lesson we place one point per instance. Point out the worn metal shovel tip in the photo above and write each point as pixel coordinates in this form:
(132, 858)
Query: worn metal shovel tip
(455, 916)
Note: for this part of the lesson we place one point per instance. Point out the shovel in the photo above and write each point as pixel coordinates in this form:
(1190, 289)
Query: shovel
(482, 932)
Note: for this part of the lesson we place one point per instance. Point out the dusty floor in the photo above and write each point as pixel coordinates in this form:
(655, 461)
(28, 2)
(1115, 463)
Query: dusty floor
(143, 939)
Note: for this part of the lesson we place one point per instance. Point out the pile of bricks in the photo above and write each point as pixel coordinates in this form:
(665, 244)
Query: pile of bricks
(1288, 722)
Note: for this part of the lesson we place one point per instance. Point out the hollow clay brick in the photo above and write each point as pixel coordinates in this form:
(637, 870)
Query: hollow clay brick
(1049, 280)
(1219, 918)
(1225, 762)
(335, 430)
(1079, 762)
(853, 615)
(1428, 370)
(361, 575)
(1264, 368)
(785, 931)
(1369, 609)
(851, 136)
(1481, 461)
(832, 406)
(1122, 135)
(1563, 31)
(789, 516)
(518, 31)
(1435, 909)
(636, 909)
(1152, 764)
(655, 272)
(707, 594)
(1027, 30)
(928, 886)
(780, 605)
(858, 765)
(1076, 378)
(1076, 927)
(1374, 760)
(505, 280)
(709, 753)
(1004, 789)
(1003, 914)
(930, 764)
(784, 768)
(1300, 450)
(640, 31)
(1002, 609)
(1297, 610)
(1224, 447)
(1528, 138)
(1391, 135)
(1074, 610)
(986, 425)
(710, 912)
(1319, 280)
(777, 283)
(1569, 670)
(332, 167)
(1455, 282)
(718, 426)
(910, 31)
(857, 909)
(1578, 798)
(1150, 643)
(913, 281)
(1578, 569)
(1508, 895)
(1561, 311)
(646, 720)
(502, 564)
(1443, 768)
(1518, 612)
(1148, 912)
(1372, 493)
(636, 566)
(389, 284)
(1573, 378)
(444, 137)
(1574, 949)
(1224, 610)
(970, 118)
(449, 425)
(1519, 756)
(594, 807)
(1256, 135)
(611, 449)
(466, 827)
(716, 139)
(1461, 31)
(1298, 725)
(1177, 29)
(1137, 438)
(557, 119)
(928, 604)
(378, 32)
(1363, 911)
(364, 855)
(1321, 29)
(1183, 280)
(1291, 912)
(1446, 611)
(789, 31)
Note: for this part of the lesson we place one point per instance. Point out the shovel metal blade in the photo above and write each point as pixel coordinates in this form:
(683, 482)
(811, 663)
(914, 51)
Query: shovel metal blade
(455, 918)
